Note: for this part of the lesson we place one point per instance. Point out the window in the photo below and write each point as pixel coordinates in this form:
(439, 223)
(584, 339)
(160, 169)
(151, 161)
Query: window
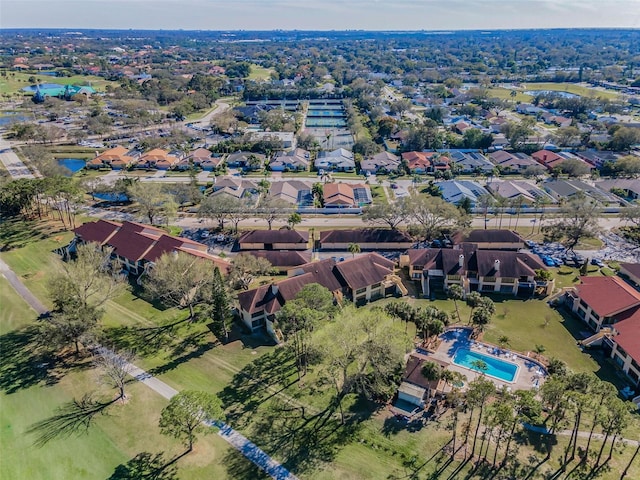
(619, 360)
(259, 313)
(489, 279)
(621, 351)
(582, 302)
(361, 290)
(417, 275)
(258, 322)
(581, 313)
(633, 376)
(508, 280)
(595, 315)
(418, 267)
(453, 277)
(376, 285)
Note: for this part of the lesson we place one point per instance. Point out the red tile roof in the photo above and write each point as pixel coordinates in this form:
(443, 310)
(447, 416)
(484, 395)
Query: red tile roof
(98, 231)
(629, 334)
(136, 241)
(607, 295)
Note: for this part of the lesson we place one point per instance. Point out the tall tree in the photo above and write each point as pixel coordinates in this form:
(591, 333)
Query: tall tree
(114, 368)
(391, 214)
(78, 292)
(473, 301)
(273, 209)
(455, 293)
(576, 220)
(479, 392)
(353, 249)
(179, 280)
(367, 362)
(219, 309)
(186, 413)
(152, 199)
(246, 267)
(432, 214)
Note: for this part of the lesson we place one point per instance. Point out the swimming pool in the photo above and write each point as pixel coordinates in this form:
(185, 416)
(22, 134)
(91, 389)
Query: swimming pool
(497, 368)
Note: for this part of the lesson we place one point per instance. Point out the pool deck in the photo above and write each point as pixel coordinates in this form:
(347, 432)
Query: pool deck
(530, 374)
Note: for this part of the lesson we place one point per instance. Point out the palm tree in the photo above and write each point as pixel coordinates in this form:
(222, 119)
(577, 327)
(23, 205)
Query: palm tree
(503, 341)
(455, 292)
(353, 249)
(473, 300)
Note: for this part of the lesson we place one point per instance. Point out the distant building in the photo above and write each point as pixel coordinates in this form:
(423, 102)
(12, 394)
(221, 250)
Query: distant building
(453, 191)
(339, 160)
(346, 195)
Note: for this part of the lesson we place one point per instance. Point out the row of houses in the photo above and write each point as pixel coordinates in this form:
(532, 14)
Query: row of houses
(138, 246)
(528, 193)
(489, 261)
(610, 307)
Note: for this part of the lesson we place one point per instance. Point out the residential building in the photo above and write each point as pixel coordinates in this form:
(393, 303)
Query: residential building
(611, 308)
(283, 239)
(339, 160)
(415, 387)
(361, 279)
(598, 157)
(138, 246)
(511, 162)
(234, 187)
(382, 162)
(519, 190)
(491, 271)
(567, 189)
(116, 158)
(346, 195)
(490, 239)
(551, 160)
(288, 139)
(295, 192)
(453, 191)
(245, 160)
(631, 186)
(630, 271)
(425, 162)
(157, 158)
(283, 260)
(294, 160)
(366, 239)
(470, 162)
(200, 158)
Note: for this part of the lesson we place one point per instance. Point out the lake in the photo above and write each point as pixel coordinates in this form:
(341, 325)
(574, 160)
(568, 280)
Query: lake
(72, 164)
(535, 93)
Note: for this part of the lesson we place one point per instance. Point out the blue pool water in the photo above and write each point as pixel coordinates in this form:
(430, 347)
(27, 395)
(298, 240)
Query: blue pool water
(72, 164)
(497, 368)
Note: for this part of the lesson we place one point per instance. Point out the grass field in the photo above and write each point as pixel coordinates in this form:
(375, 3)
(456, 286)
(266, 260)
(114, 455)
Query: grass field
(15, 81)
(572, 88)
(259, 73)
(246, 372)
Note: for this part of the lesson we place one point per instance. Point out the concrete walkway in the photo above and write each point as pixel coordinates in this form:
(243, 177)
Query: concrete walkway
(234, 438)
(15, 166)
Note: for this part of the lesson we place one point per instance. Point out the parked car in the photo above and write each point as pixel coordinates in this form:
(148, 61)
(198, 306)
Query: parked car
(598, 262)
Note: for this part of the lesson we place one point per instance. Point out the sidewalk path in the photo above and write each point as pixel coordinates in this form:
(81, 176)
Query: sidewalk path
(237, 440)
(15, 166)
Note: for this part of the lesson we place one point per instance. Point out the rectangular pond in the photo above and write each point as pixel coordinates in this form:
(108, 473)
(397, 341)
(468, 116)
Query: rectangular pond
(500, 369)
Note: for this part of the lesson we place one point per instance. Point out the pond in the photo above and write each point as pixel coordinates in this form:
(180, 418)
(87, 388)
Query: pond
(74, 165)
(43, 86)
(535, 93)
(111, 197)
(8, 118)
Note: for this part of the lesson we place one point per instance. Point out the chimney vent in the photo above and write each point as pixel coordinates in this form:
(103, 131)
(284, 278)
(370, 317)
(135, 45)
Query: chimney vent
(496, 265)
(461, 260)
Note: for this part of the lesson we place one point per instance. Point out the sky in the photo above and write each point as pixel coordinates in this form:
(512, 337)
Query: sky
(318, 14)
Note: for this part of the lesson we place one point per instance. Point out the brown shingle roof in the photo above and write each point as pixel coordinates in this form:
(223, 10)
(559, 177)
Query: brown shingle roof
(274, 236)
(365, 270)
(488, 236)
(364, 235)
(282, 258)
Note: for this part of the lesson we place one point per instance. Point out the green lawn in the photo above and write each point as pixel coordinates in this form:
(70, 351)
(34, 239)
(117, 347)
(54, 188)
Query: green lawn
(14, 81)
(259, 73)
(378, 195)
(572, 88)
(246, 372)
